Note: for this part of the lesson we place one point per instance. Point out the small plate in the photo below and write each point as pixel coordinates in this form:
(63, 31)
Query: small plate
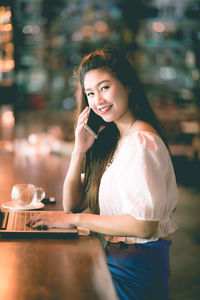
(14, 206)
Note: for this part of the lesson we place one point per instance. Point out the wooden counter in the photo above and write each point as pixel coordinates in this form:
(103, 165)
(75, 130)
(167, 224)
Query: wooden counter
(49, 269)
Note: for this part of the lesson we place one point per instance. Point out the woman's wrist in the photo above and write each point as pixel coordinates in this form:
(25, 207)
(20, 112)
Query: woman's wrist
(77, 153)
(76, 219)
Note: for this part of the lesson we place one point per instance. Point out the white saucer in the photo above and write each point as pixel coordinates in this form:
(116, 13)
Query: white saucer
(14, 206)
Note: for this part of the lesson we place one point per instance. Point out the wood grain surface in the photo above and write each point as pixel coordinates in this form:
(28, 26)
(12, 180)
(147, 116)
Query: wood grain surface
(47, 269)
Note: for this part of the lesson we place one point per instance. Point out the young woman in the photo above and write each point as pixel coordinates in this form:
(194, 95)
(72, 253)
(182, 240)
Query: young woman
(125, 177)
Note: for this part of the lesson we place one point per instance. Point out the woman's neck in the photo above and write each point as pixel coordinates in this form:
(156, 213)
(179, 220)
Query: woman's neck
(125, 129)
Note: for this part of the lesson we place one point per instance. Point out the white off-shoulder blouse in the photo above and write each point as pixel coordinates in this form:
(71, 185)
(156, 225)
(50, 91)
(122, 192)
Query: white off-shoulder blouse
(140, 182)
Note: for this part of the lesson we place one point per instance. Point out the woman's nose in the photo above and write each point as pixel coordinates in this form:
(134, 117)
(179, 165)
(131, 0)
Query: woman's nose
(99, 98)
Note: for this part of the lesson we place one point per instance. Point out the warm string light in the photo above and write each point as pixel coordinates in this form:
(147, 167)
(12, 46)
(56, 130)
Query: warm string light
(158, 27)
(7, 63)
(100, 27)
(7, 122)
(8, 119)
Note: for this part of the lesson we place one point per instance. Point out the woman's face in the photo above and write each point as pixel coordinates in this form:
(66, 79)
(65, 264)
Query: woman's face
(106, 95)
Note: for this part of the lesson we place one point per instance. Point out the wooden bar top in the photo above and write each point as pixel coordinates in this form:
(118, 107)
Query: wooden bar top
(49, 269)
(54, 269)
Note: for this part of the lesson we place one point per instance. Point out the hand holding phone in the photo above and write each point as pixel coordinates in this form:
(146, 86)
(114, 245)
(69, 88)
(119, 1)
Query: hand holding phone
(93, 124)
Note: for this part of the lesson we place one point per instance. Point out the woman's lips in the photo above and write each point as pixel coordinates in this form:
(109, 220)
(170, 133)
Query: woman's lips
(104, 109)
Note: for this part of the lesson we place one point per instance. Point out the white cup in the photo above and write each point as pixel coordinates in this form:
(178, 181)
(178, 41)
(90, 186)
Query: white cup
(24, 194)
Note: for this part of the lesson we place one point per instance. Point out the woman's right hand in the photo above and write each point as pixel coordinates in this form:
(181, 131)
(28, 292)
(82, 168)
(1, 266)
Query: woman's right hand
(83, 139)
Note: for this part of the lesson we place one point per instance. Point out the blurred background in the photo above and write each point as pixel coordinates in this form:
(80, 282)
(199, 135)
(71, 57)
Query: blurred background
(41, 41)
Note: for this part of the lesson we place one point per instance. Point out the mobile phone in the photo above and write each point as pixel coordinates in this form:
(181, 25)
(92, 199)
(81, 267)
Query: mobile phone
(93, 124)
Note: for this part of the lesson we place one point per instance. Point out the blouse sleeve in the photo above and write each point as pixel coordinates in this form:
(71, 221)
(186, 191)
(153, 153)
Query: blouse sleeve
(147, 178)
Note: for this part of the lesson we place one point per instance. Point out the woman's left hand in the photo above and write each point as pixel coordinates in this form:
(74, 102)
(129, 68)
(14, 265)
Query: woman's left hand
(51, 219)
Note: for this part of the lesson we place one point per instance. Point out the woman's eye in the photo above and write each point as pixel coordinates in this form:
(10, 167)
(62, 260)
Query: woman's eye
(105, 88)
(90, 94)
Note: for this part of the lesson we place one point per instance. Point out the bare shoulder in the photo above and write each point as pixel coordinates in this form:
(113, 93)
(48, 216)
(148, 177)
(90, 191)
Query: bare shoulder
(144, 126)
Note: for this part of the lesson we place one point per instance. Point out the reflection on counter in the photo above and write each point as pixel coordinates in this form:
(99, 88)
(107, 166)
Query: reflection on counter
(37, 144)
(7, 122)
(41, 144)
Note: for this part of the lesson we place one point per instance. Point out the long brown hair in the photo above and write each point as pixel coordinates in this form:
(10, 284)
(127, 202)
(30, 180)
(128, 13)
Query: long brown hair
(101, 152)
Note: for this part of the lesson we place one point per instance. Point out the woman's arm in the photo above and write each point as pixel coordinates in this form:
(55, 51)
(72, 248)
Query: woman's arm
(72, 188)
(120, 225)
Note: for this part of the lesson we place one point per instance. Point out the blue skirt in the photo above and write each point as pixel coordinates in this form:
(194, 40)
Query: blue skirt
(140, 271)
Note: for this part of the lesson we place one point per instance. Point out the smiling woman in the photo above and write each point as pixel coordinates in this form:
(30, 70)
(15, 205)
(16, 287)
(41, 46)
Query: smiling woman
(107, 97)
(124, 178)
